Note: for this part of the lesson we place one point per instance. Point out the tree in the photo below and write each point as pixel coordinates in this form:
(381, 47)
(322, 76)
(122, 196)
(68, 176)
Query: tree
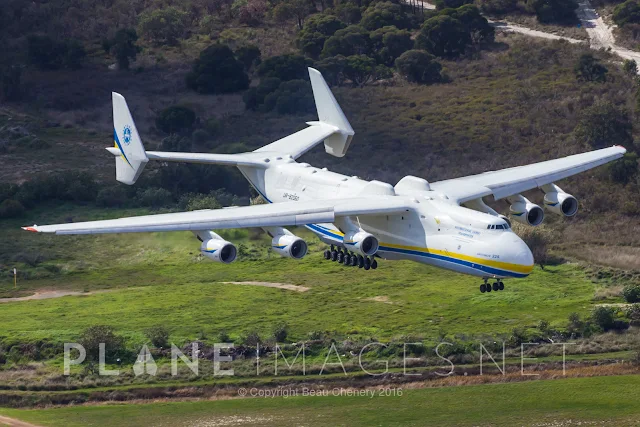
(604, 124)
(317, 29)
(390, 43)
(353, 40)
(631, 293)
(625, 169)
(383, 14)
(280, 332)
(360, 69)
(443, 36)
(158, 335)
(291, 97)
(419, 66)
(298, 9)
(626, 13)
(451, 4)
(44, 52)
(476, 25)
(347, 12)
(217, 71)
(630, 67)
(74, 54)
(163, 26)
(498, 7)
(93, 336)
(11, 209)
(559, 11)
(176, 119)
(284, 67)
(589, 69)
(249, 55)
(123, 46)
(332, 69)
(254, 97)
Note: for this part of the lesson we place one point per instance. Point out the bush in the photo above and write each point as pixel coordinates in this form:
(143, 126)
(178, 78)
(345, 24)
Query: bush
(332, 69)
(353, 40)
(11, 209)
(624, 170)
(382, 14)
(317, 29)
(627, 12)
(285, 67)
(633, 313)
(604, 317)
(498, 7)
(113, 196)
(252, 339)
(201, 136)
(451, 4)
(194, 202)
(255, 96)
(630, 67)
(604, 124)
(479, 29)
(360, 69)
(69, 186)
(390, 43)
(176, 119)
(176, 143)
(631, 293)
(292, 97)
(154, 197)
(443, 36)
(123, 46)
(94, 335)
(589, 69)
(217, 71)
(280, 332)
(163, 26)
(48, 54)
(158, 335)
(419, 66)
(249, 56)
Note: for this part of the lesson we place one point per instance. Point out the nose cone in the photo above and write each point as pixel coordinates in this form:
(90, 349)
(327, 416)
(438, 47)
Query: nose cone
(515, 251)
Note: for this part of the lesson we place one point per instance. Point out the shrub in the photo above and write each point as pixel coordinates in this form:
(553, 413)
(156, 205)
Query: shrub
(633, 313)
(479, 29)
(176, 143)
(194, 202)
(390, 43)
(11, 209)
(201, 136)
(630, 67)
(353, 40)
(285, 67)
(48, 54)
(332, 69)
(419, 66)
(158, 335)
(589, 69)
(604, 124)
(292, 97)
(113, 196)
(498, 7)
(176, 119)
(347, 12)
(443, 36)
(280, 332)
(252, 339)
(249, 56)
(254, 97)
(451, 4)
(604, 317)
(163, 26)
(624, 170)
(123, 46)
(631, 293)
(154, 197)
(94, 335)
(560, 11)
(217, 71)
(627, 12)
(360, 69)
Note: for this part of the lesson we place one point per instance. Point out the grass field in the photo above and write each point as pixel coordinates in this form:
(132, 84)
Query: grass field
(596, 401)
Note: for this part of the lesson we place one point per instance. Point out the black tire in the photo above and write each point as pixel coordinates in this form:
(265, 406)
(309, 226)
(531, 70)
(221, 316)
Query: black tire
(501, 286)
(496, 286)
(367, 264)
(347, 260)
(488, 287)
(483, 288)
(327, 254)
(340, 257)
(360, 261)
(374, 264)
(354, 260)
(334, 255)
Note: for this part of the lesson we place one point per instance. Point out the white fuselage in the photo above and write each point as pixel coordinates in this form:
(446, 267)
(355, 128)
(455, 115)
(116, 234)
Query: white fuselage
(437, 231)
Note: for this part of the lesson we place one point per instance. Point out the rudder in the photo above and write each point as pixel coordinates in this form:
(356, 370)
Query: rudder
(132, 157)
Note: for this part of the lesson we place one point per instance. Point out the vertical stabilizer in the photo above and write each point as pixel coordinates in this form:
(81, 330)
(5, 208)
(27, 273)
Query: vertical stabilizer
(132, 157)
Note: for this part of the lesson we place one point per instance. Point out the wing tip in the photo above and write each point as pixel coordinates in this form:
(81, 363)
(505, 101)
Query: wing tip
(624, 150)
(33, 229)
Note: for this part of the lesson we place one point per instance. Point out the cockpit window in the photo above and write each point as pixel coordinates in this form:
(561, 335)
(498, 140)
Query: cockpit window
(498, 226)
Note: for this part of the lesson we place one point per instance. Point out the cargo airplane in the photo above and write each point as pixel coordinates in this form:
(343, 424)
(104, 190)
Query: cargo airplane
(446, 224)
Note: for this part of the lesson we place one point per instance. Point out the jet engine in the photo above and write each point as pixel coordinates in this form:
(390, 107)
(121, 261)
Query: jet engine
(525, 212)
(219, 250)
(559, 202)
(361, 242)
(289, 246)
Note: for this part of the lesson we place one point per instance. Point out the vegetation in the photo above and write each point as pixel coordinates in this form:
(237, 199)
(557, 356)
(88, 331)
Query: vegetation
(604, 124)
(627, 13)
(419, 66)
(589, 69)
(123, 47)
(163, 26)
(217, 71)
(176, 119)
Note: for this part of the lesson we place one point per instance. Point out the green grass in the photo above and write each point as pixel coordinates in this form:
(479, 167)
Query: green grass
(598, 400)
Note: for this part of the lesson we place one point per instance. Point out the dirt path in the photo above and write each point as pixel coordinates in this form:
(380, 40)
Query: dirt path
(273, 285)
(513, 28)
(12, 422)
(48, 295)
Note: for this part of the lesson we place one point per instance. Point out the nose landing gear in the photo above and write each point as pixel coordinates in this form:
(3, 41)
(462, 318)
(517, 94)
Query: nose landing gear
(498, 285)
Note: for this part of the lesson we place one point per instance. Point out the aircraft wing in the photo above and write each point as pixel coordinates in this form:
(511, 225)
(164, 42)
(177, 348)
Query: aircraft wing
(276, 214)
(511, 181)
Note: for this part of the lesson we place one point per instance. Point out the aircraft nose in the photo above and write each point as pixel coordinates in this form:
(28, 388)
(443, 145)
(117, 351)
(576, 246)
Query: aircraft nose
(516, 251)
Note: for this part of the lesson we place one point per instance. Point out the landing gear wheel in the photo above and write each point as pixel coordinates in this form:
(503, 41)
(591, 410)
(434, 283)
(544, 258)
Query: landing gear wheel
(496, 286)
(374, 264)
(354, 260)
(367, 264)
(347, 259)
(483, 288)
(340, 257)
(334, 255)
(501, 286)
(360, 261)
(488, 287)
(327, 254)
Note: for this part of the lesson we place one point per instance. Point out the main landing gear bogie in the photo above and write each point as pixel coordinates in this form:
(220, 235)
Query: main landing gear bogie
(498, 285)
(350, 259)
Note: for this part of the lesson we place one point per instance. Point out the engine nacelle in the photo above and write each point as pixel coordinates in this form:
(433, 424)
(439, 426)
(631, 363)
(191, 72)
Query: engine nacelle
(219, 250)
(561, 203)
(361, 242)
(525, 212)
(289, 246)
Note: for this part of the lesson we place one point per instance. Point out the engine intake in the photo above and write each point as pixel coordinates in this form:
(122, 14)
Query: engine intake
(219, 250)
(289, 246)
(362, 242)
(525, 212)
(561, 203)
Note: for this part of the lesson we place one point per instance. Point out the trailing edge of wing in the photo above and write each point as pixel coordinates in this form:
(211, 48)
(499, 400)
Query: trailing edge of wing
(277, 214)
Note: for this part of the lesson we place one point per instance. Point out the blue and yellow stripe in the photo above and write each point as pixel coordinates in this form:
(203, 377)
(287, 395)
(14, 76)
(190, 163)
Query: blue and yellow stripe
(116, 141)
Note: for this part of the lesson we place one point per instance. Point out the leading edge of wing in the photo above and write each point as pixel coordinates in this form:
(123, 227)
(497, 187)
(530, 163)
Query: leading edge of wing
(276, 214)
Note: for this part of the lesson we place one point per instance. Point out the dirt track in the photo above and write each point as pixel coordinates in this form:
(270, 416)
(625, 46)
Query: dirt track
(11, 422)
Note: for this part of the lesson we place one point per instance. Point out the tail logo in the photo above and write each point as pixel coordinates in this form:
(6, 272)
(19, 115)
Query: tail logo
(126, 135)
